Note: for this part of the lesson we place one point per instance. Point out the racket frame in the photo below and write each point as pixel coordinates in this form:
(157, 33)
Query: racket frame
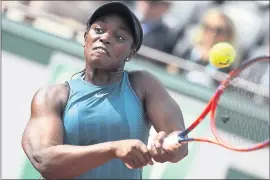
(211, 107)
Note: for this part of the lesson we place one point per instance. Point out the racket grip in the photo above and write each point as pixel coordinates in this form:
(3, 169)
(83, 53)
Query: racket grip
(171, 140)
(183, 134)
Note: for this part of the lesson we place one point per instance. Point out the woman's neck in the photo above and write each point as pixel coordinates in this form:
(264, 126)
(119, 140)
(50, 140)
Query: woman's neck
(102, 77)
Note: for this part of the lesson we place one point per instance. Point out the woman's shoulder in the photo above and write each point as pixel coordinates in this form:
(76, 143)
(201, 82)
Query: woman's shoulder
(141, 80)
(139, 74)
(52, 94)
(52, 89)
(137, 83)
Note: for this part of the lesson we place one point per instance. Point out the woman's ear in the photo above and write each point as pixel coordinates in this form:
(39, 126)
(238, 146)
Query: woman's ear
(132, 53)
(85, 37)
(129, 56)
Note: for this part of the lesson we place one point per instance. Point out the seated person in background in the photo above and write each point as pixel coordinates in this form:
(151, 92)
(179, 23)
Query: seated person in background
(155, 32)
(262, 50)
(76, 10)
(259, 73)
(215, 27)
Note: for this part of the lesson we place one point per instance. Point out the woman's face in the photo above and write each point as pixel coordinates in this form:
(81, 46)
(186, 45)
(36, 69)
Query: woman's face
(215, 29)
(108, 43)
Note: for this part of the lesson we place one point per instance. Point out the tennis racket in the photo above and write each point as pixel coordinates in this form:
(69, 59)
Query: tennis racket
(244, 127)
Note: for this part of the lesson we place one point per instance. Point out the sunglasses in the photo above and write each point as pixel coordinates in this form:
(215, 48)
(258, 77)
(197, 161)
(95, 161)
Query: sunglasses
(218, 30)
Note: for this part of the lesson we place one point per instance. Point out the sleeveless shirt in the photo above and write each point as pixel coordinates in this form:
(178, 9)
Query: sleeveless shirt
(96, 114)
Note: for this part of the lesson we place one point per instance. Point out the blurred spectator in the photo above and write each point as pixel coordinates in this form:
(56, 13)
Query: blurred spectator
(263, 5)
(248, 24)
(156, 32)
(259, 73)
(25, 2)
(262, 50)
(219, 2)
(247, 5)
(77, 10)
(256, 73)
(265, 29)
(130, 4)
(181, 14)
(214, 27)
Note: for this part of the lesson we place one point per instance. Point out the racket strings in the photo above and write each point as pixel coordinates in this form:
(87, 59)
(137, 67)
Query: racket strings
(242, 117)
(240, 133)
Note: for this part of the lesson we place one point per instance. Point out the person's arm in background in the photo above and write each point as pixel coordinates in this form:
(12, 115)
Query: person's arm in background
(42, 141)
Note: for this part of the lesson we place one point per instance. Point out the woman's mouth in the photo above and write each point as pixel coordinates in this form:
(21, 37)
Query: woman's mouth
(101, 50)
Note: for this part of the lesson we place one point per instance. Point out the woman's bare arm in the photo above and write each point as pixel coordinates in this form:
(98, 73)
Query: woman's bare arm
(162, 110)
(42, 140)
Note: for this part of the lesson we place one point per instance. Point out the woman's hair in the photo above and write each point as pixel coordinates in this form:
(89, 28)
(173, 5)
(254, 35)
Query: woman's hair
(88, 26)
(216, 12)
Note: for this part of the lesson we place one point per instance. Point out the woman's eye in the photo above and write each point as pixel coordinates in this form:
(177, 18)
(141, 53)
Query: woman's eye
(120, 38)
(98, 30)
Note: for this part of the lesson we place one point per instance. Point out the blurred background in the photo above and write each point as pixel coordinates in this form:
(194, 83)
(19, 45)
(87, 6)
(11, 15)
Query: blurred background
(42, 44)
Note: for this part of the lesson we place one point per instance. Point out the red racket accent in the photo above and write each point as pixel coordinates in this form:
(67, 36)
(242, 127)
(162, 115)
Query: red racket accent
(203, 114)
(212, 106)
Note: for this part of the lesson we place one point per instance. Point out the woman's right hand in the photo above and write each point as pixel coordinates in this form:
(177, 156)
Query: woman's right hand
(134, 153)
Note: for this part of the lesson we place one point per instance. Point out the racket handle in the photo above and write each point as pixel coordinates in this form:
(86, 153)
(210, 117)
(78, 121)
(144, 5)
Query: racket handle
(183, 134)
(171, 140)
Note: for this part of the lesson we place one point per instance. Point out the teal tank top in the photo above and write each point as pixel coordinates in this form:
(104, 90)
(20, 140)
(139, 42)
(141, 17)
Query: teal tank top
(97, 114)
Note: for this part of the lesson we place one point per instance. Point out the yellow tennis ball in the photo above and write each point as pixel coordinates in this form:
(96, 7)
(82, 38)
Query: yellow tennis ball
(222, 55)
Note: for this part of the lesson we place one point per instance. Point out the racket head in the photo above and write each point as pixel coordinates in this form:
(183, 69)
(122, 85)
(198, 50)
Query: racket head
(237, 121)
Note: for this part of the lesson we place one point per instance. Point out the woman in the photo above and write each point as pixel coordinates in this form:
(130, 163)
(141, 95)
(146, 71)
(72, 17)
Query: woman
(95, 125)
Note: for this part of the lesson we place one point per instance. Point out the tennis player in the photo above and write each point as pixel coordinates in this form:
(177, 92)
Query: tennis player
(96, 125)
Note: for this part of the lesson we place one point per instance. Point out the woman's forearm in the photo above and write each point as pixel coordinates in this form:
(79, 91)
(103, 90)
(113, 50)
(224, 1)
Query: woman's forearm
(66, 161)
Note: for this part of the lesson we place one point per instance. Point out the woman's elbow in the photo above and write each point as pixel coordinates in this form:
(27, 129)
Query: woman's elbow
(41, 159)
(42, 165)
(38, 162)
(45, 165)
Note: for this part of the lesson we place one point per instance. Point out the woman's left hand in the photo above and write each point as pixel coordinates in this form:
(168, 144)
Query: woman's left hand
(169, 153)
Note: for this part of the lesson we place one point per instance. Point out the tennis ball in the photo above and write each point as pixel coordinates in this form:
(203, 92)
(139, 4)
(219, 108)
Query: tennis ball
(222, 55)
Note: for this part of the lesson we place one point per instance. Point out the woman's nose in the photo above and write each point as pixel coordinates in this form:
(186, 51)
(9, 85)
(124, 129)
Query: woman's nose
(106, 38)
